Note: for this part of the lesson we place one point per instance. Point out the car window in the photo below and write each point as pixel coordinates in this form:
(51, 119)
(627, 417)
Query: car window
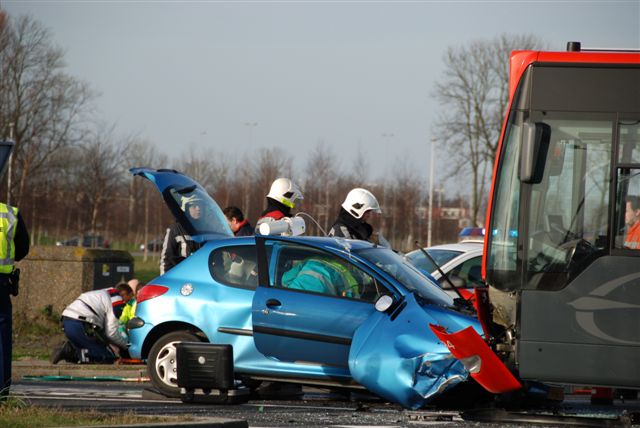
(235, 266)
(209, 219)
(442, 257)
(406, 274)
(470, 272)
(312, 270)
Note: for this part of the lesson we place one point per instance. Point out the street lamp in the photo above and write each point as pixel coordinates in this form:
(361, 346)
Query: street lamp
(251, 126)
(429, 224)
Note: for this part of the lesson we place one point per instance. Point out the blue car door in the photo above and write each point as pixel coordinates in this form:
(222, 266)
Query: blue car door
(308, 304)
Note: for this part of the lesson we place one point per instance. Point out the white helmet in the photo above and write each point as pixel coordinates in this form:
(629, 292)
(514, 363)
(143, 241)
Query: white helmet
(285, 191)
(359, 201)
(190, 199)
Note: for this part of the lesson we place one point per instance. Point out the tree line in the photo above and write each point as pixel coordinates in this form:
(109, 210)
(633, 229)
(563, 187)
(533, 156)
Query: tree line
(69, 170)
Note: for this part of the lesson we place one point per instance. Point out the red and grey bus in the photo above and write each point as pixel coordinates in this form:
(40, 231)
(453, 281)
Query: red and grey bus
(562, 266)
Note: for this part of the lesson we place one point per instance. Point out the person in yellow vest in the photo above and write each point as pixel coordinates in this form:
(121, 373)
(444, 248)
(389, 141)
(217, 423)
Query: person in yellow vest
(129, 310)
(14, 246)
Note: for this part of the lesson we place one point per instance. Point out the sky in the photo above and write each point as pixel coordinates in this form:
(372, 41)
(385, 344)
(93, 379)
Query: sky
(236, 76)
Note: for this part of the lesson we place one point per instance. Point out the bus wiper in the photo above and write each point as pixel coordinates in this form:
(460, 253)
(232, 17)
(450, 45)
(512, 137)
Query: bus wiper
(442, 274)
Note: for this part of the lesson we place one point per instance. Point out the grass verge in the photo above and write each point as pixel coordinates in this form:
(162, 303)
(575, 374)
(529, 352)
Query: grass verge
(145, 271)
(15, 412)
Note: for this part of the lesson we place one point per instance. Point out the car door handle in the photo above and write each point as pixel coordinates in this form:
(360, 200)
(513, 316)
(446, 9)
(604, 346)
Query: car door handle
(273, 303)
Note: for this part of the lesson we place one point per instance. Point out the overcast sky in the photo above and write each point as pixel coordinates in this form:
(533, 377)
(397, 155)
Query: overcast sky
(237, 76)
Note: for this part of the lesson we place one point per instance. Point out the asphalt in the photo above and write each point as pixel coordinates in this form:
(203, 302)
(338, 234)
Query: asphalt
(41, 369)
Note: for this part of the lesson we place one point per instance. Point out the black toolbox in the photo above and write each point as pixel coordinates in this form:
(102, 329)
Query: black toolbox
(205, 374)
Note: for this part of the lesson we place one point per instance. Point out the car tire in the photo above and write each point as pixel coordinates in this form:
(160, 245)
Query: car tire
(162, 363)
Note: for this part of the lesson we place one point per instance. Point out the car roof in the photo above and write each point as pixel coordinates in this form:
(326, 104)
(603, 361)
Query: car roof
(464, 246)
(339, 244)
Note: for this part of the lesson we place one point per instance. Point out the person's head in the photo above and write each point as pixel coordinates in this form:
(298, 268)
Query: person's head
(192, 205)
(284, 191)
(234, 217)
(124, 290)
(360, 203)
(134, 284)
(632, 212)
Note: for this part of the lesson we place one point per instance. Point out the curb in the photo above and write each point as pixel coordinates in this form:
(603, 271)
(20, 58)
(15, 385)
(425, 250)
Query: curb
(24, 368)
(208, 423)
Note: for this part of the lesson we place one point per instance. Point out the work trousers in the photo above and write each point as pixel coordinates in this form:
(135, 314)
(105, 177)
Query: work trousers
(97, 351)
(5, 336)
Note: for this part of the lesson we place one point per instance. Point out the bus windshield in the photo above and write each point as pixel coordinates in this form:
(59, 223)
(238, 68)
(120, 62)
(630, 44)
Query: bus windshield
(564, 217)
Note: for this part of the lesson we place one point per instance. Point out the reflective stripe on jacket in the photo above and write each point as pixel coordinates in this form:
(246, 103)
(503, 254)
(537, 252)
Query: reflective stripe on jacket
(8, 222)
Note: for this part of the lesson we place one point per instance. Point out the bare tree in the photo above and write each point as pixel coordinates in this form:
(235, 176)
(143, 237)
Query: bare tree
(208, 168)
(142, 154)
(474, 95)
(100, 172)
(38, 100)
(320, 185)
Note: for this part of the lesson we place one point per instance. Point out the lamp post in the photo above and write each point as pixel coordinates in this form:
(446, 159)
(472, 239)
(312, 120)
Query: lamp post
(251, 126)
(430, 223)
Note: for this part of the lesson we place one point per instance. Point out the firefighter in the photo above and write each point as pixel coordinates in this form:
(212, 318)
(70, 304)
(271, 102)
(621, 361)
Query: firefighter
(14, 246)
(354, 213)
(177, 244)
(281, 199)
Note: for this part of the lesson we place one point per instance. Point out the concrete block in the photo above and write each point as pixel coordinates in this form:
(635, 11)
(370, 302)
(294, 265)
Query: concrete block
(58, 275)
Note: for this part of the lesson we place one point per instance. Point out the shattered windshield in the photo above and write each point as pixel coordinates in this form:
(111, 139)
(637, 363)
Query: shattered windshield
(406, 274)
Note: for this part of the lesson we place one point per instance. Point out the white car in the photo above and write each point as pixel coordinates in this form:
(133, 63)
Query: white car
(462, 262)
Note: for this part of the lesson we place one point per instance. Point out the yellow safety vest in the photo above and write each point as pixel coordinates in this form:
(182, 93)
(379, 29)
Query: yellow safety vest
(8, 224)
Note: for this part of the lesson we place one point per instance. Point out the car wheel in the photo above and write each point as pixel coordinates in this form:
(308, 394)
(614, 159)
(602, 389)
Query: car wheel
(162, 363)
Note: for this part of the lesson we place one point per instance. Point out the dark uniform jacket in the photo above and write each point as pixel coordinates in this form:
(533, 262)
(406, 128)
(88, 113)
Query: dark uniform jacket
(21, 239)
(176, 247)
(347, 226)
(245, 229)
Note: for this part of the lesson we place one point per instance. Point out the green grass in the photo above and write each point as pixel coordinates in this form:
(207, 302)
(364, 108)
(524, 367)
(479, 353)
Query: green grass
(146, 271)
(16, 412)
(36, 338)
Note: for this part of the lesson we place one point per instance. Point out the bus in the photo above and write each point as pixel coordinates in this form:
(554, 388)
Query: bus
(560, 261)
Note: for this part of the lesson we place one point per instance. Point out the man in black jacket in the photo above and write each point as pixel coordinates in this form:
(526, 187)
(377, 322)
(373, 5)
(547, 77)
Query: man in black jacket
(239, 225)
(354, 213)
(177, 244)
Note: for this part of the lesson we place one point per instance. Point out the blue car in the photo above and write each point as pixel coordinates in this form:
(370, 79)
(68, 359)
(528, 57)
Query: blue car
(310, 310)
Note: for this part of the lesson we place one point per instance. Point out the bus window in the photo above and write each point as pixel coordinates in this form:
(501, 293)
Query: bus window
(568, 210)
(629, 136)
(628, 209)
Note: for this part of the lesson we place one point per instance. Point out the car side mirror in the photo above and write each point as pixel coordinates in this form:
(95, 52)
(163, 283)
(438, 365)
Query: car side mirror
(384, 303)
(535, 144)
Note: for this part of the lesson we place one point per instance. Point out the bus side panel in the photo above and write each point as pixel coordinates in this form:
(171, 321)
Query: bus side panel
(573, 335)
(580, 364)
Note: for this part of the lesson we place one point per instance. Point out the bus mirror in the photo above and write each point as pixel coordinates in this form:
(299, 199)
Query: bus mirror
(535, 143)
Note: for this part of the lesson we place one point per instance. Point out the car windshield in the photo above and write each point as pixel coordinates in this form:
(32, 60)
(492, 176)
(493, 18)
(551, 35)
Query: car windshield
(406, 274)
(442, 257)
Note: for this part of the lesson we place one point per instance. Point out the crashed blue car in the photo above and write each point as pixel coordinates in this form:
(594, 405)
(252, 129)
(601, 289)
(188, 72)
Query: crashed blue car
(367, 327)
